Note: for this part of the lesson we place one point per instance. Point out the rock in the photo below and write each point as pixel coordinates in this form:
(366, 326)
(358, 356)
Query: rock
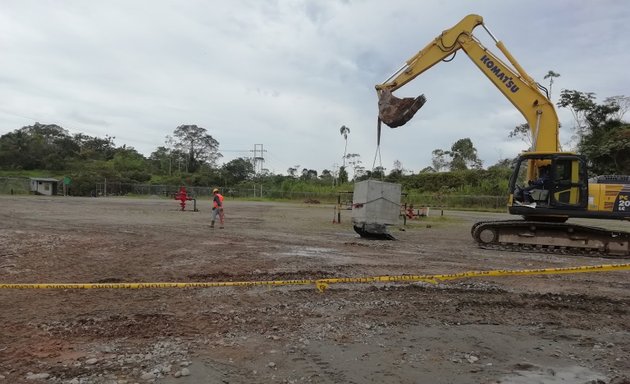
(166, 368)
(472, 358)
(184, 364)
(185, 372)
(37, 376)
(148, 376)
(91, 361)
(524, 366)
(271, 364)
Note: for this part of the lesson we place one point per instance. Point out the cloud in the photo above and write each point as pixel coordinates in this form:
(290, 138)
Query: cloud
(288, 74)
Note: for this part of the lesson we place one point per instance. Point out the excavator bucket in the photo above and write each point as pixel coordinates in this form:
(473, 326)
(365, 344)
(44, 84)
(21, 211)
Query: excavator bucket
(394, 111)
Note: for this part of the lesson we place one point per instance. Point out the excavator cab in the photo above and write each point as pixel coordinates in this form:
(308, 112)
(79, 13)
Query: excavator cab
(548, 187)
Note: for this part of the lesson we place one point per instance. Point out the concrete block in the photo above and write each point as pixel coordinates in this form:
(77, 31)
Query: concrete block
(376, 202)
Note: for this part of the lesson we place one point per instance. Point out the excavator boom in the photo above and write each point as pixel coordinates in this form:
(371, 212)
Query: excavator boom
(515, 84)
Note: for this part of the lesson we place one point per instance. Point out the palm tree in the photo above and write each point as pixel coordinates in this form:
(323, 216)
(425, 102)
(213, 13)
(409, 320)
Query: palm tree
(344, 132)
(550, 75)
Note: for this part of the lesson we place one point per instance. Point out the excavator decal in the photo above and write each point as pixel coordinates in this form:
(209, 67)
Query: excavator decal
(622, 204)
(506, 79)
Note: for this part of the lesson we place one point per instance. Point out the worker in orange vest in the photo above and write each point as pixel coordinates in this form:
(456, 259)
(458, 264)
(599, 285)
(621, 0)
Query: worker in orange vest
(217, 208)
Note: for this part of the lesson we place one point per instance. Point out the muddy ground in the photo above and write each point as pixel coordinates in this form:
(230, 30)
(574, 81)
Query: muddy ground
(535, 329)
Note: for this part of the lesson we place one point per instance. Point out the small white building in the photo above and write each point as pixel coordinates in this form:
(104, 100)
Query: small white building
(44, 186)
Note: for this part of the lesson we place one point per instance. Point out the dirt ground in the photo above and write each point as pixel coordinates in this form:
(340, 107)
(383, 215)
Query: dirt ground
(534, 329)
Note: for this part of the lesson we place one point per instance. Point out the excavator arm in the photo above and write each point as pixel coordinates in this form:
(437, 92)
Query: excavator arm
(514, 83)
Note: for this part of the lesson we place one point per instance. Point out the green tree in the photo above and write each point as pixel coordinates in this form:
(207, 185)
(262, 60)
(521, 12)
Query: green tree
(439, 161)
(237, 170)
(524, 133)
(198, 145)
(308, 174)
(326, 174)
(38, 146)
(354, 160)
(130, 165)
(292, 171)
(378, 173)
(344, 131)
(604, 139)
(343, 175)
(503, 164)
(160, 161)
(397, 173)
(95, 148)
(621, 102)
(607, 147)
(15, 152)
(579, 103)
(551, 75)
(463, 156)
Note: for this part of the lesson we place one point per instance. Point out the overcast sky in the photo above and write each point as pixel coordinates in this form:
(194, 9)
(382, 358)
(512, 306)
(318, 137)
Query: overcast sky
(288, 74)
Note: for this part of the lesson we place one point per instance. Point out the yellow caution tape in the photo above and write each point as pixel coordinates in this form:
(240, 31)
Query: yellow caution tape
(322, 284)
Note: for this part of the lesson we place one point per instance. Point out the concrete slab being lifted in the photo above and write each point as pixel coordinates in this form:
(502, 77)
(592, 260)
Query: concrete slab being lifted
(375, 205)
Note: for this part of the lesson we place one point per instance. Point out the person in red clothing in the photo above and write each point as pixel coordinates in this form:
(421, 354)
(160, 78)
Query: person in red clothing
(217, 208)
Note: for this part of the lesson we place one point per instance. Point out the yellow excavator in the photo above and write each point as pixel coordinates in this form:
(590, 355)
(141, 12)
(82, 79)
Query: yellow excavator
(566, 191)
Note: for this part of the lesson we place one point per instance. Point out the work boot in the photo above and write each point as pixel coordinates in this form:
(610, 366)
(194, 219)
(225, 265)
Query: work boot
(212, 224)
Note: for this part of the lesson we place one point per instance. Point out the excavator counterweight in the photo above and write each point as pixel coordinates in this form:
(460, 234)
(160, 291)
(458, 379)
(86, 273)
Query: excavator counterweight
(395, 111)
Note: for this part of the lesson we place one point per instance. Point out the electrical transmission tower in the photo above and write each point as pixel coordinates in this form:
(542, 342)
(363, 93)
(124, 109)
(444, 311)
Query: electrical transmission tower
(259, 158)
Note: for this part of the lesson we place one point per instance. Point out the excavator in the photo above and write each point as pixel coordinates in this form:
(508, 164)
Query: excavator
(544, 207)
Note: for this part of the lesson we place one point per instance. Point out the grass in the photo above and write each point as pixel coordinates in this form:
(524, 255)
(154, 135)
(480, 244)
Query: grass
(433, 221)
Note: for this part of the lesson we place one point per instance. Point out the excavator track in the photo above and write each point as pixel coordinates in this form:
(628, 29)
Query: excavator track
(557, 238)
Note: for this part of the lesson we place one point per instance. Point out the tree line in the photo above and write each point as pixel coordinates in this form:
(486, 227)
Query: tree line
(191, 157)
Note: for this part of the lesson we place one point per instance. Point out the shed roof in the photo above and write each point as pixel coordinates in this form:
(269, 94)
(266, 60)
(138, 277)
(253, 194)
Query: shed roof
(44, 179)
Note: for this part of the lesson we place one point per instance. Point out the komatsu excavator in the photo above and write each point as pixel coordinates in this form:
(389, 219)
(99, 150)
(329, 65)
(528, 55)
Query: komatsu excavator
(566, 193)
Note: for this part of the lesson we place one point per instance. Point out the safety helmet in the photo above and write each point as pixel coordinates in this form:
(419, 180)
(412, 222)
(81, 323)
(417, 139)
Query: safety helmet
(215, 190)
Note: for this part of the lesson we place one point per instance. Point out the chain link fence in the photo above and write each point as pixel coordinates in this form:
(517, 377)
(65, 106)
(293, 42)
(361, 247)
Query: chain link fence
(416, 199)
(15, 185)
(18, 185)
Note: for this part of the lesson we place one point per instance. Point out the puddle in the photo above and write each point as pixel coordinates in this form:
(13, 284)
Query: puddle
(310, 252)
(552, 375)
(319, 253)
